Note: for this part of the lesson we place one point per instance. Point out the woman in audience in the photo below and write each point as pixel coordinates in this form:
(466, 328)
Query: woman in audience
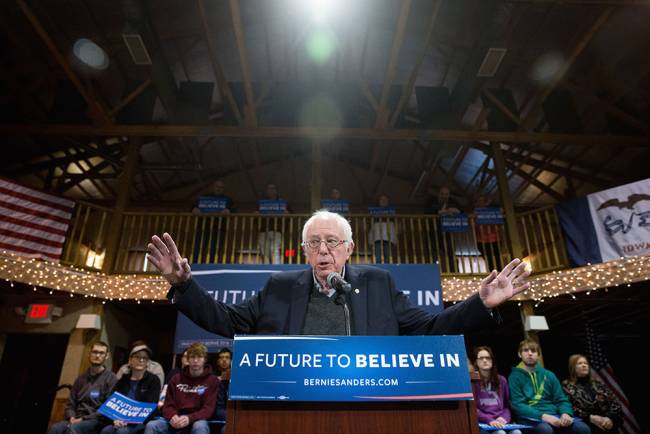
(592, 400)
(491, 393)
(138, 384)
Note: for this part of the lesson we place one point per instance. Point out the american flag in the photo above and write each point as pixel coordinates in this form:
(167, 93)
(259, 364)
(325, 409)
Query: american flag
(32, 223)
(601, 370)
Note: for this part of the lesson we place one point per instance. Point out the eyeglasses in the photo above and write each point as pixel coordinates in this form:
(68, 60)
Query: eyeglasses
(484, 358)
(141, 358)
(331, 243)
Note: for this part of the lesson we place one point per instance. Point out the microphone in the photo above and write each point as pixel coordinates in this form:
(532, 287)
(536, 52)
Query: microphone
(335, 281)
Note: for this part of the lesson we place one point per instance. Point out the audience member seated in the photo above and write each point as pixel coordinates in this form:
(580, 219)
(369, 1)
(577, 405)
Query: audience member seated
(209, 242)
(269, 239)
(152, 366)
(491, 393)
(191, 397)
(224, 364)
(137, 384)
(537, 398)
(88, 392)
(382, 236)
(170, 375)
(591, 399)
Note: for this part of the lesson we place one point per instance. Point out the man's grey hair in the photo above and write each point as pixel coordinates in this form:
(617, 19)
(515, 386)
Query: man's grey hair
(327, 215)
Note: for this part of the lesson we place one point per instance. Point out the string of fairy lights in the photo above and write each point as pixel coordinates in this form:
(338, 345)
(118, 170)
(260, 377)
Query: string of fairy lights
(50, 277)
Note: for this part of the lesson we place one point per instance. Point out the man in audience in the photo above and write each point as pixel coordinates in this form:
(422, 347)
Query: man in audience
(224, 363)
(88, 393)
(191, 396)
(537, 398)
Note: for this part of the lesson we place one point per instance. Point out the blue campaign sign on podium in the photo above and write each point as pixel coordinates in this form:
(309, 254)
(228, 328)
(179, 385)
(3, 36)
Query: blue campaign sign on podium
(236, 283)
(350, 368)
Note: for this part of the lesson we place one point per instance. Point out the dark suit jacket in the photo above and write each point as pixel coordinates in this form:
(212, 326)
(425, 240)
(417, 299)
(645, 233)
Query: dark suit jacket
(377, 308)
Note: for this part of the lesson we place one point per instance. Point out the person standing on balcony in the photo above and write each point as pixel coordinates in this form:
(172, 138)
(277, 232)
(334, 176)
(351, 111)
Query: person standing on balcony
(303, 302)
(269, 239)
(382, 236)
(444, 205)
(209, 244)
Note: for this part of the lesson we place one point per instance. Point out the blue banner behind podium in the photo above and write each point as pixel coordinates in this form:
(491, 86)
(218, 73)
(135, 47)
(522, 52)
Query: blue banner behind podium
(235, 283)
(350, 368)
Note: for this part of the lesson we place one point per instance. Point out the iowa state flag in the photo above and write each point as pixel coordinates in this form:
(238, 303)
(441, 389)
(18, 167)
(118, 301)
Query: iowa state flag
(608, 224)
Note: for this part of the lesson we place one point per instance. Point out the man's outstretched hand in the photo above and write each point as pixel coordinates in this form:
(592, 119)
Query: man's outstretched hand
(164, 255)
(499, 287)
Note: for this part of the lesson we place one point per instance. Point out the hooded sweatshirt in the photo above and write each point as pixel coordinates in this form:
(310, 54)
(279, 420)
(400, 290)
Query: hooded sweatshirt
(533, 394)
(87, 394)
(492, 404)
(195, 397)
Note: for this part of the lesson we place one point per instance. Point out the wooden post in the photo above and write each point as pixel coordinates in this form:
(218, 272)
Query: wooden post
(527, 309)
(506, 200)
(315, 175)
(125, 181)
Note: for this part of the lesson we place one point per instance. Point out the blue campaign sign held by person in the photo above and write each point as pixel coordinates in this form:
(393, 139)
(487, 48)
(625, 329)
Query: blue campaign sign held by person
(381, 210)
(338, 206)
(268, 206)
(488, 216)
(235, 283)
(454, 223)
(350, 368)
(209, 204)
(120, 407)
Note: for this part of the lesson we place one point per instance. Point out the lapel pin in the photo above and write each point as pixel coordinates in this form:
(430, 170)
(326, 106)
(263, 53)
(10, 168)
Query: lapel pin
(356, 290)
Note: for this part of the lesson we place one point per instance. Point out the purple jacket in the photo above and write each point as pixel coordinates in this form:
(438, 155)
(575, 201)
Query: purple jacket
(490, 404)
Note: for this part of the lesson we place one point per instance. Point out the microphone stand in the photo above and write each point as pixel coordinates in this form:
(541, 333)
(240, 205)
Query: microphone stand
(341, 300)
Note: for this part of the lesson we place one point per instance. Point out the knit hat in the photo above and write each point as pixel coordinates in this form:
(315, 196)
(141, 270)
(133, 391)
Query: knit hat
(140, 348)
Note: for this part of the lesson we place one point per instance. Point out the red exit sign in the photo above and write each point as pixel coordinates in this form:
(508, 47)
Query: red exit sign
(38, 314)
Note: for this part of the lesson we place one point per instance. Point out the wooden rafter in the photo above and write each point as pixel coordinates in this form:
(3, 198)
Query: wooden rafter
(216, 66)
(533, 181)
(250, 117)
(98, 112)
(531, 117)
(301, 132)
(408, 89)
(536, 172)
(382, 113)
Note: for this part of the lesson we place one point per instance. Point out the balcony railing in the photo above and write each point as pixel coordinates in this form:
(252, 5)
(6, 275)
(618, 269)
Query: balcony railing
(258, 239)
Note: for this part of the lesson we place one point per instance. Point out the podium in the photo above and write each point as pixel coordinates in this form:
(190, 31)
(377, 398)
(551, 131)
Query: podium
(350, 385)
(430, 417)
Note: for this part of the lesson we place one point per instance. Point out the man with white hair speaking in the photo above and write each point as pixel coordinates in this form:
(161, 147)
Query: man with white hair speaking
(307, 302)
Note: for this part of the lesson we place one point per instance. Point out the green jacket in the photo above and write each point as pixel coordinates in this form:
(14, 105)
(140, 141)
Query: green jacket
(536, 393)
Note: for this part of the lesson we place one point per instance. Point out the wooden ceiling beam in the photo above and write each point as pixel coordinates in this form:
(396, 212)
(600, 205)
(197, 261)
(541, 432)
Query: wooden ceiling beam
(566, 172)
(389, 76)
(97, 111)
(316, 132)
(536, 172)
(216, 66)
(586, 2)
(611, 108)
(533, 181)
(250, 112)
(130, 97)
(531, 117)
(549, 167)
(408, 89)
